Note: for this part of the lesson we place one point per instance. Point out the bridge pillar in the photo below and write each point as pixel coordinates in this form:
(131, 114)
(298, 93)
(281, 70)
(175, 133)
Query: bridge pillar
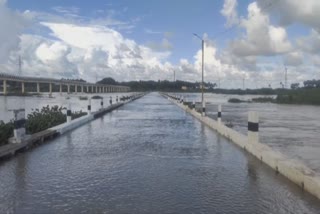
(76, 88)
(92, 89)
(69, 113)
(22, 88)
(253, 127)
(81, 88)
(219, 113)
(68, 88)
(19, 130)
(4, 87)
(38, 87)
(60, 89)
(89, 106)
(50, 89)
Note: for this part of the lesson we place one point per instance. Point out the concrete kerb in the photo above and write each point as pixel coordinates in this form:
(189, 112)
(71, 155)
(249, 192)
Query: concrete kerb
(294, 170)
(65, 127)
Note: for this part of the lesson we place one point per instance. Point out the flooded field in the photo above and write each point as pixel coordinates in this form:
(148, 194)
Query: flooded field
(291, 129)
(9, 103)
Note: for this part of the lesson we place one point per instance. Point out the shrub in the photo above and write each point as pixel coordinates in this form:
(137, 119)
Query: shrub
(6, 131)
(236, 100)
(46, 118)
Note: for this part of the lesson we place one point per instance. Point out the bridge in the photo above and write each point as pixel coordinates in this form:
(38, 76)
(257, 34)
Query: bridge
(72, 85)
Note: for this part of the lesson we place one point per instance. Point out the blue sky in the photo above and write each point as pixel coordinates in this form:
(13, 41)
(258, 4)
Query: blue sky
(99, 38)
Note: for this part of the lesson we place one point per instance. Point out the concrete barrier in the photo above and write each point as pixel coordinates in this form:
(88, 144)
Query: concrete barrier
(219, 113)
(89, 106)
(69, 113)
(101, 103)
(294, 170)
(203, 109)
(19, 131)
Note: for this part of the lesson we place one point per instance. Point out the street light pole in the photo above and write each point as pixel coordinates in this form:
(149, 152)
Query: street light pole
(202, 85)
(202, 82)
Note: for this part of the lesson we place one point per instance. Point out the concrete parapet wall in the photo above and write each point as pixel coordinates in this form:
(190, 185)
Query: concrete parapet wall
(65, 127)
(294, 170)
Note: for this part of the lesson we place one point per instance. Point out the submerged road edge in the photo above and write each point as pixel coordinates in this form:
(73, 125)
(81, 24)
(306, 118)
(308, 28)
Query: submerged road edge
(293, 170)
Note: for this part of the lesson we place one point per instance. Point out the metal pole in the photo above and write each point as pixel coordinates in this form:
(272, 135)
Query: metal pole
(202, 85)
(285, 78)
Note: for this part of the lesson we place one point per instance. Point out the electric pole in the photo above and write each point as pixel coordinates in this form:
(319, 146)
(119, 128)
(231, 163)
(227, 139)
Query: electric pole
(20, 65)
(202, 79)
(243, 83)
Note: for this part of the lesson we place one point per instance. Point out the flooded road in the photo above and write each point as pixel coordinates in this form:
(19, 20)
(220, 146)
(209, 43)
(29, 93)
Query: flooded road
(148, 156)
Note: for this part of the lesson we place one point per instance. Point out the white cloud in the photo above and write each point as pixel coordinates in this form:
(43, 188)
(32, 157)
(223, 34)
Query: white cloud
(306, 12)
(46, 52)
(77, 51)
(11, 25)
(229, 10)
(310, 43)
(293, 59)
(261, 38)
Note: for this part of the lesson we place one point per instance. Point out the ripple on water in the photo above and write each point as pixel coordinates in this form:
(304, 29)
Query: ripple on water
(147, 157)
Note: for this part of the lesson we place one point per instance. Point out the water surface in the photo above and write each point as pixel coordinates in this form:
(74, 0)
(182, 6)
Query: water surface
(149, 156)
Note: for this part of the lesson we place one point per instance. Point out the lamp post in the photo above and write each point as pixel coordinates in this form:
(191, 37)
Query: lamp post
(202, 97)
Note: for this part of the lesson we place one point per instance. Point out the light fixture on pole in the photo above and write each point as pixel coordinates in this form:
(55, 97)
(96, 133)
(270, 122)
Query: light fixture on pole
(202, 82)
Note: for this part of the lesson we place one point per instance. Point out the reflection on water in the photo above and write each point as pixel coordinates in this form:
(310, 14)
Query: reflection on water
(291, 129)
(146, 157)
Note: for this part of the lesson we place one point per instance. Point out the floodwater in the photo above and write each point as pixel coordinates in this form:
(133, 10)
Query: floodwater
(148, 156)
(30, 103)
(291, 129)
